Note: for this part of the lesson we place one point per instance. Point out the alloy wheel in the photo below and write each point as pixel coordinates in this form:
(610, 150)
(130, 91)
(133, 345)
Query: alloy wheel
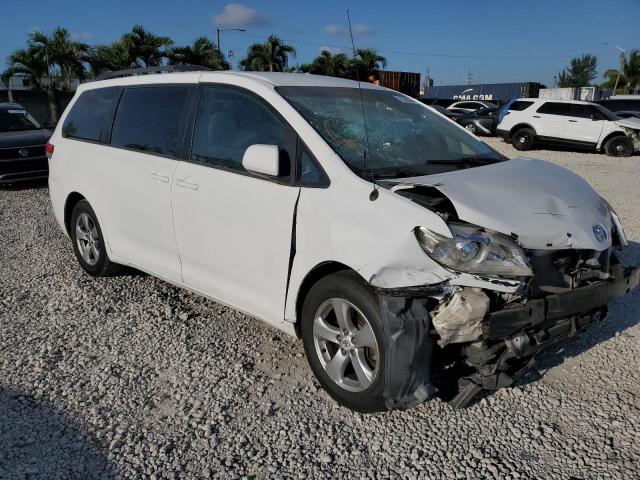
(88, 239)
(346, 345)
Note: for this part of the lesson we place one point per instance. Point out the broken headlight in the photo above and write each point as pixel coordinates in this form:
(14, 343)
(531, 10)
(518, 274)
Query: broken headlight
(475, 250)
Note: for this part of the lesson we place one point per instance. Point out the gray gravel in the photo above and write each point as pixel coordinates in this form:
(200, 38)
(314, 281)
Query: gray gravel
(129, 377)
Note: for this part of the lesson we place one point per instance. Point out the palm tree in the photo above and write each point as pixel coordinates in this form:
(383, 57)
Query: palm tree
(271, 56)
(201, 52)
(367, 62)
(329, 64)
(632, 70)
(115, 56)
(27, 62)
(50, 61)
(147, 48)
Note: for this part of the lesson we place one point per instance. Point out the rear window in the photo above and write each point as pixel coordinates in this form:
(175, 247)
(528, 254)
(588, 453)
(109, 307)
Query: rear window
(89, 115)
(556, 108)
(148, 119)
(519, 105)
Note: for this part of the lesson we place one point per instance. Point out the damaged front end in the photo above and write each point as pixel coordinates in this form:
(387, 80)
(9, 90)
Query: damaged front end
(511, 295)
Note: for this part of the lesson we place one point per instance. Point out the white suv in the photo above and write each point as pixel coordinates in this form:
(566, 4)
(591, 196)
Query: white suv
(569, 123)
(395, 248)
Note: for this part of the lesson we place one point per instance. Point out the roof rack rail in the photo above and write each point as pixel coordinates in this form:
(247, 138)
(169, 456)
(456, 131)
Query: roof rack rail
(150, 70)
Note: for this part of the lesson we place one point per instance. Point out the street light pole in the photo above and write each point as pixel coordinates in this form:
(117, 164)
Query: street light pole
(621, 67)
(218, 30)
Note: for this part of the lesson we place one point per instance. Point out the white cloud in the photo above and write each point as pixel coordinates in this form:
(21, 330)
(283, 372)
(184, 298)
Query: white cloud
(82, 36)
(235, 15)
(342, 30)
(333, 50)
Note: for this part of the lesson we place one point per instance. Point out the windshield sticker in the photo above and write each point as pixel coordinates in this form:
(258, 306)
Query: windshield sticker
(23, 112)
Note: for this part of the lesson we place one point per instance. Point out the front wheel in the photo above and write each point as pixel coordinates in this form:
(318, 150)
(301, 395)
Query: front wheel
(619, 147)
(343, 340)
(471, 128)
(523, 138)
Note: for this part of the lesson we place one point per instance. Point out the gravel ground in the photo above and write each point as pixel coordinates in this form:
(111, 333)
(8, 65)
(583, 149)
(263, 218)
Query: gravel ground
(129, 377)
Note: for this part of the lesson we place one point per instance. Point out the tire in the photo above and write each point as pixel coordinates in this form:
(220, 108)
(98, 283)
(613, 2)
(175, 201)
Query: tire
(347, 292)
(88, 244)
(523, 139)
(619, 147)
(471, 128)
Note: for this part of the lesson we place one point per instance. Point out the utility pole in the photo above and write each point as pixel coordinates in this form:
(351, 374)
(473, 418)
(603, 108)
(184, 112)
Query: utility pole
(218, 30)
(623, 52)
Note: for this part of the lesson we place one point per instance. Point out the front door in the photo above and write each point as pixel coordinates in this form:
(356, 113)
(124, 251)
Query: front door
(585, 124)
(233, 228)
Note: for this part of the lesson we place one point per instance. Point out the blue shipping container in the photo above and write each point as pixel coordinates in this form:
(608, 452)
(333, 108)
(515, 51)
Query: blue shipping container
(492, 92)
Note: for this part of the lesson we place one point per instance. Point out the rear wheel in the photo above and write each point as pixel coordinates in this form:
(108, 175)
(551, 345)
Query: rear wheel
(523, 138)
(470, 127)
(343, 340)
(88, 243)
(619, 147)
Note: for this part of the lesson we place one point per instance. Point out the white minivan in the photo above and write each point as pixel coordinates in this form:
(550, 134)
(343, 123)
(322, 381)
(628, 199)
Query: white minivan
(410, 257)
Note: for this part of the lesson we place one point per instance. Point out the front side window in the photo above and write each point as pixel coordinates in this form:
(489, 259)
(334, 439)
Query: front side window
(230, 121)
(405, 138)
(89, 115)
(17, 119)
(148, 119)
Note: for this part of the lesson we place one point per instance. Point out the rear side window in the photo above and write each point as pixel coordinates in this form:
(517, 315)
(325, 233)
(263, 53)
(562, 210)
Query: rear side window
(556, 108)
(149, 118)
(90, 115)
(229, 121)
(519, 105)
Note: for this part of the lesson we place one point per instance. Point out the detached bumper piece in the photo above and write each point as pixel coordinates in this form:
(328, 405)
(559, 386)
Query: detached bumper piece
(514, 335)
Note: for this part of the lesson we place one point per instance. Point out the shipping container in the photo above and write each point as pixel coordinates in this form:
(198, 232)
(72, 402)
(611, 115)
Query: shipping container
(567, 93)
(403, 82)
(492, 92)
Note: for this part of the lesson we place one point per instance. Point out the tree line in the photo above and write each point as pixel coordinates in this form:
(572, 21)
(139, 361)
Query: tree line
(53, 60)
(583, 70)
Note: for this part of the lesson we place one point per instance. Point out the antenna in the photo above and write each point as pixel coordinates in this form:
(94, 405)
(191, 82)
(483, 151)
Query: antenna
(374, 194)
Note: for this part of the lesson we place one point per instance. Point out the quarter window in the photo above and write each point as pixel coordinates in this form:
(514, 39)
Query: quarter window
(148, 119)
(519, 105)
(90, 114)
(229, 121)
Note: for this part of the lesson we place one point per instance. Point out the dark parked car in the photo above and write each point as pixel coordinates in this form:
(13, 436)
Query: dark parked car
(452, 114)
(23, 142)
(622, 103)
(624, 114)
(480, 122)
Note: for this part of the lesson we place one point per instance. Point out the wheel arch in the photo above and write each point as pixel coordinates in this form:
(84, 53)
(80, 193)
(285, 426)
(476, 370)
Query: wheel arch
(72, 200)
(317, 273)
(614, 134)
(521, 125)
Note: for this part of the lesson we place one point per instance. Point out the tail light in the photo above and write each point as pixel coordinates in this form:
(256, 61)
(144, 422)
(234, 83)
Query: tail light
(49, 149)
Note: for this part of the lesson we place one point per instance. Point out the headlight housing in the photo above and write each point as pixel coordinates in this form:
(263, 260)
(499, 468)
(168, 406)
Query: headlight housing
(475, 250)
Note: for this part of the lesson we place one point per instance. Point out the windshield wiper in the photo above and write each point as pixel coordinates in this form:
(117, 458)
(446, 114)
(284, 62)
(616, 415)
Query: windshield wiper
(465, 161)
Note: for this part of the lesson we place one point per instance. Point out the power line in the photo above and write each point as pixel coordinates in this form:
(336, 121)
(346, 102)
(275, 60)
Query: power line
(420, 54)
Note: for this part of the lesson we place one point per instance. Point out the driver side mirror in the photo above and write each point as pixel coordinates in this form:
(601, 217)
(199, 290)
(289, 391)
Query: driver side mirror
(262, 159)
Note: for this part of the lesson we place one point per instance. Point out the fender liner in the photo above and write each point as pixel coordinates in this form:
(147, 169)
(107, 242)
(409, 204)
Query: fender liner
(406, 324)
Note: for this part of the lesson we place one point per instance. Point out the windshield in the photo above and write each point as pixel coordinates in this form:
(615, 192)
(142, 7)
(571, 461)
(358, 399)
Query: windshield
(405, 137)
(15, 119)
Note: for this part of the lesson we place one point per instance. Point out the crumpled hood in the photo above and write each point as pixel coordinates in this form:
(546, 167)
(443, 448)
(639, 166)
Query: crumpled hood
(546, 206)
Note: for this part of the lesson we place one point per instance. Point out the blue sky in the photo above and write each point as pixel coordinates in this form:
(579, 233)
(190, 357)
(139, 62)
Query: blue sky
(443, 36)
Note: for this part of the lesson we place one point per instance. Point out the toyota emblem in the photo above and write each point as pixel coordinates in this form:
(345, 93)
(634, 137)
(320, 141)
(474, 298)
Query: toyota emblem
(23, 152)
(600, 233)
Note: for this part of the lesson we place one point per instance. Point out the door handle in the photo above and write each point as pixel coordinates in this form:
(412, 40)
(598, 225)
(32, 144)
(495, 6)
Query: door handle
(573, 121)
(181, 182)
(159, 177)
(535, 116)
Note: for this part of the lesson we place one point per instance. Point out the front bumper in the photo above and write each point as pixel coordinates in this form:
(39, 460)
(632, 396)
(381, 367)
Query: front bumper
(538, 312)
(19, 169)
